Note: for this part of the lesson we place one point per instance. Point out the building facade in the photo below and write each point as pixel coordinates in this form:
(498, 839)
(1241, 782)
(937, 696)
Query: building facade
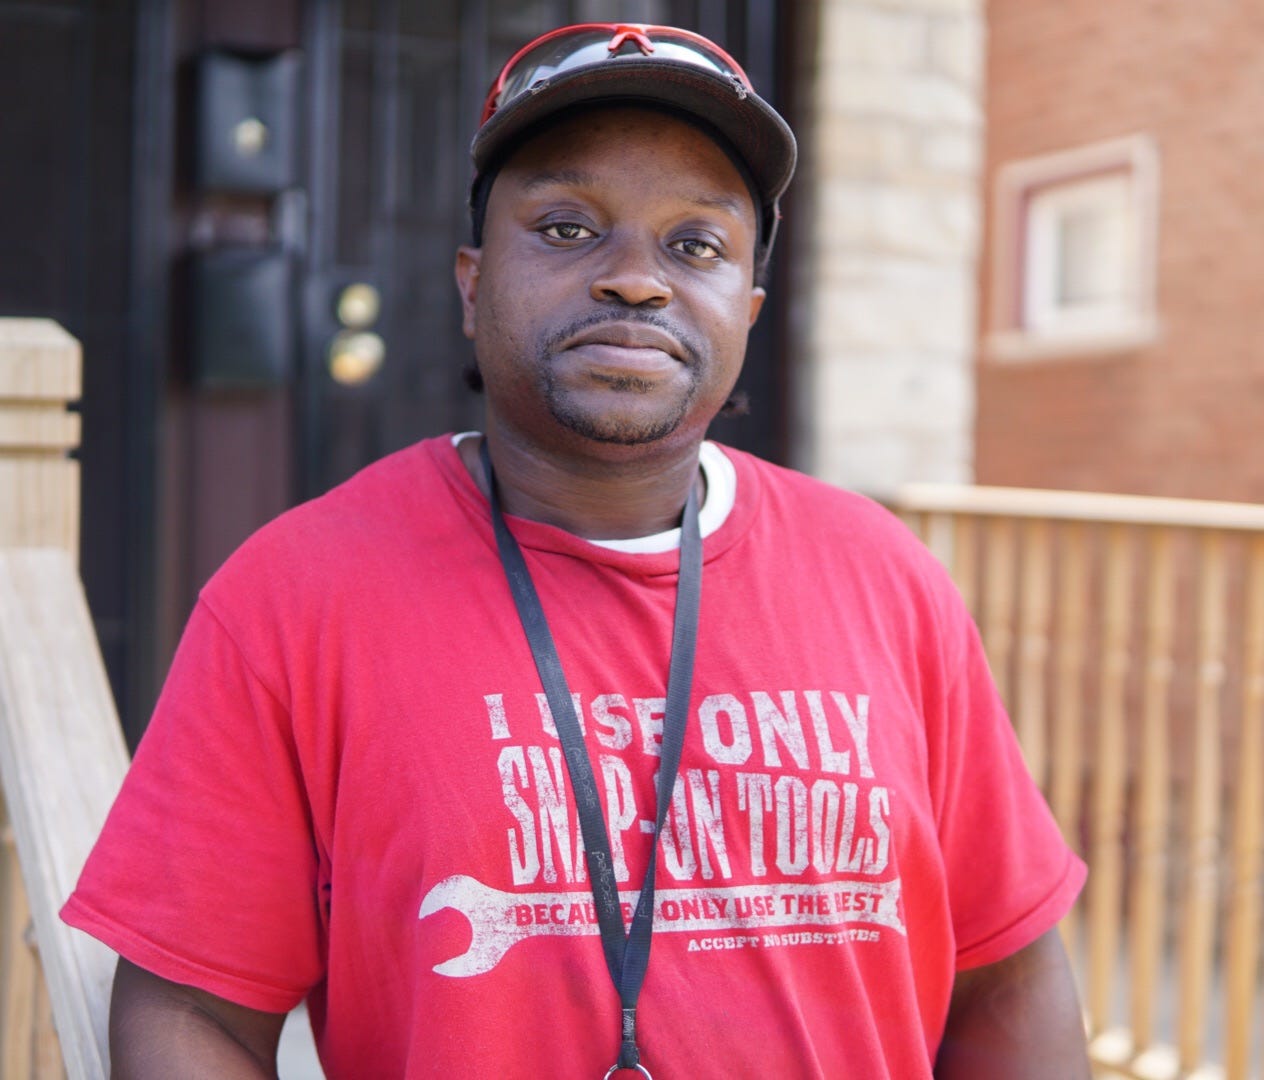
(1121, 342)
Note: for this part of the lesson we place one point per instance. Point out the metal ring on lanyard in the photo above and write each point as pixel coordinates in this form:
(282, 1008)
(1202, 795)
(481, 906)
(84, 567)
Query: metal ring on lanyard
(637, 1068)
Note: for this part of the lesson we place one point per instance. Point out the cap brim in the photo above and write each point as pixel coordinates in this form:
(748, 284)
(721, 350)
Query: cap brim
(755, 130)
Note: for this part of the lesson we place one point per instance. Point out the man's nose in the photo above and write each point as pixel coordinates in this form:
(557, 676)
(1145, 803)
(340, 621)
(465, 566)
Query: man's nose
(632, 273)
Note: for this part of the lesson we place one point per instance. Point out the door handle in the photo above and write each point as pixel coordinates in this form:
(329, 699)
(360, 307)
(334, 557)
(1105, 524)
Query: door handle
(358, 306)
(355, 356)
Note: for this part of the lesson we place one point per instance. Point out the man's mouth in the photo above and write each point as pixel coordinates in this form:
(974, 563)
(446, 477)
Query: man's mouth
(627, 348)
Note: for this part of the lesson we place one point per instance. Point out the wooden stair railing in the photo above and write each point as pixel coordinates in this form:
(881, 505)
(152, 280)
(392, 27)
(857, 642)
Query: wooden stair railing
(62, 755)
(1127, 636)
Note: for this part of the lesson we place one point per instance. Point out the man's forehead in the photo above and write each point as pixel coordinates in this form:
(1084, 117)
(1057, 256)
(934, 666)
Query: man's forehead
(540, 180)
(536, 165)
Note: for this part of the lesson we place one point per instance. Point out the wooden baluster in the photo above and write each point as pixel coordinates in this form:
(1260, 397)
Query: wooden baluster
(17, 964)
(1243, 942)
(1037, 574)
(1153, 792)
(29, 1048)
(937, 534)
(998, 600)
(1198, 922)
(47, 1052)
(964, 561)
(1067, 767)
(1105, 883)
(916, 521)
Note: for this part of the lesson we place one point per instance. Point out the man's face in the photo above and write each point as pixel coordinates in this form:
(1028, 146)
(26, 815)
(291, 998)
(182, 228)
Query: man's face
(612, 296)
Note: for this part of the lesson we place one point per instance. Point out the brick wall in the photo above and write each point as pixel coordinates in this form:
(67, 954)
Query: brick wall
(886, 225)
(1183, 416)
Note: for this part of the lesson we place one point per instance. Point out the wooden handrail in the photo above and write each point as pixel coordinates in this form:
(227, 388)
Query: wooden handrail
(62, 758)
(1127, 636)
(1083, 506)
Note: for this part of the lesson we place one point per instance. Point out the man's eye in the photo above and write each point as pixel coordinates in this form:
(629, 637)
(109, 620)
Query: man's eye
(698, 249)
(566, 230)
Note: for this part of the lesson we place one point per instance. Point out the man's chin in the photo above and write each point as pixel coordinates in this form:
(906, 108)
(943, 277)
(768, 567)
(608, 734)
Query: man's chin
(618, 427)
(619, 432)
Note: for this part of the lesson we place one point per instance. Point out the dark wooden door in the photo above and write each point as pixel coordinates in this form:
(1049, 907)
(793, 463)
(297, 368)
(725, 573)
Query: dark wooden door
(66, 244)
(395, 91)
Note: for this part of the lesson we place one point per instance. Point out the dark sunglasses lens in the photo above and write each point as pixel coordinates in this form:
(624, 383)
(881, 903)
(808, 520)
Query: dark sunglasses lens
(571, 51)
(550, 57)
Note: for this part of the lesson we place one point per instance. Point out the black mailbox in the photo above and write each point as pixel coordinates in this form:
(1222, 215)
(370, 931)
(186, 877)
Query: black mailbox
(246, 138)
(242, 319)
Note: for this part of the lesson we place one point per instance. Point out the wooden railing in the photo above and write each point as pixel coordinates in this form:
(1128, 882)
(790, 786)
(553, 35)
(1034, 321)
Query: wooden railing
(62, 754)
(1127, 637)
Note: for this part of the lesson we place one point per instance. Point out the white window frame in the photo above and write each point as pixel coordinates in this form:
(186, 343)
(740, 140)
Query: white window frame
(1032, 196)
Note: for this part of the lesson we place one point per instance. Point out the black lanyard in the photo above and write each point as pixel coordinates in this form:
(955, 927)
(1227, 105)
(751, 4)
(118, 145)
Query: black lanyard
(626, 955)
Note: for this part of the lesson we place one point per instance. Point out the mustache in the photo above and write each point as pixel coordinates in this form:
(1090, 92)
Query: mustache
(691, 347)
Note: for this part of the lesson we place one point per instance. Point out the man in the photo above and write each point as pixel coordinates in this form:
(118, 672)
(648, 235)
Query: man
(407, 760)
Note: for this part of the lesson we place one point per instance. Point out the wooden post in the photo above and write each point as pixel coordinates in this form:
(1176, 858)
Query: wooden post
(40, 368)
(62, 754)
(39, 482)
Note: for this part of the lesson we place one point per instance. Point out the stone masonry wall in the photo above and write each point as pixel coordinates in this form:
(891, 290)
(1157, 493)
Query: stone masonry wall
(886, 221)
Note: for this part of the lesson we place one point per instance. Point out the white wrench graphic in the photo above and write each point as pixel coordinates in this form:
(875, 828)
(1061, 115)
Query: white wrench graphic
(498, 919)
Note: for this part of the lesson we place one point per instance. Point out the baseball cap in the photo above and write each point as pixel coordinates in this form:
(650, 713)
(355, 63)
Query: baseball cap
(595, 63)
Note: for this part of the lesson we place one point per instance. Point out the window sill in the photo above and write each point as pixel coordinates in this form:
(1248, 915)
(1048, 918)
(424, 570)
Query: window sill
(1017, 346)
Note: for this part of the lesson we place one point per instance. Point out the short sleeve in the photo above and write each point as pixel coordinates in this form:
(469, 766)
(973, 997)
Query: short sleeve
(1010, 874)
(205, 872)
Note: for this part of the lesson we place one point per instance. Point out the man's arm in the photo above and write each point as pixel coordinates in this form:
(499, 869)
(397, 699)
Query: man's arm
(1017, 1018)
(162, 1029)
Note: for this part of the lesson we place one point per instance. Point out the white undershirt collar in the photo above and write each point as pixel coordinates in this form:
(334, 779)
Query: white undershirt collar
(721, 480)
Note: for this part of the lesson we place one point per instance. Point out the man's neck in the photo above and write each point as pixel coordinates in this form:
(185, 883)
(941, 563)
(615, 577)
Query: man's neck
(598, 501)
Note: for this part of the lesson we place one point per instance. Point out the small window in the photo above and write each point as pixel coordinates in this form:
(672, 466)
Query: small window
(1074, 267)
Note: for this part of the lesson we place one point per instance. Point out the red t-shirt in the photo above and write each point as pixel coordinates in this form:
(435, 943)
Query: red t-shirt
(352, 791)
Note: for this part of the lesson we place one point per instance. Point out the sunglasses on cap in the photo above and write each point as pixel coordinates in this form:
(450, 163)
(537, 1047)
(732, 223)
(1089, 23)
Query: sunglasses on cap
(585, 44)
(658, 66)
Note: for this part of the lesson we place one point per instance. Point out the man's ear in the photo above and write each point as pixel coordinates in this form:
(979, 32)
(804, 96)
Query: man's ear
(756, 302)
(467, 260)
